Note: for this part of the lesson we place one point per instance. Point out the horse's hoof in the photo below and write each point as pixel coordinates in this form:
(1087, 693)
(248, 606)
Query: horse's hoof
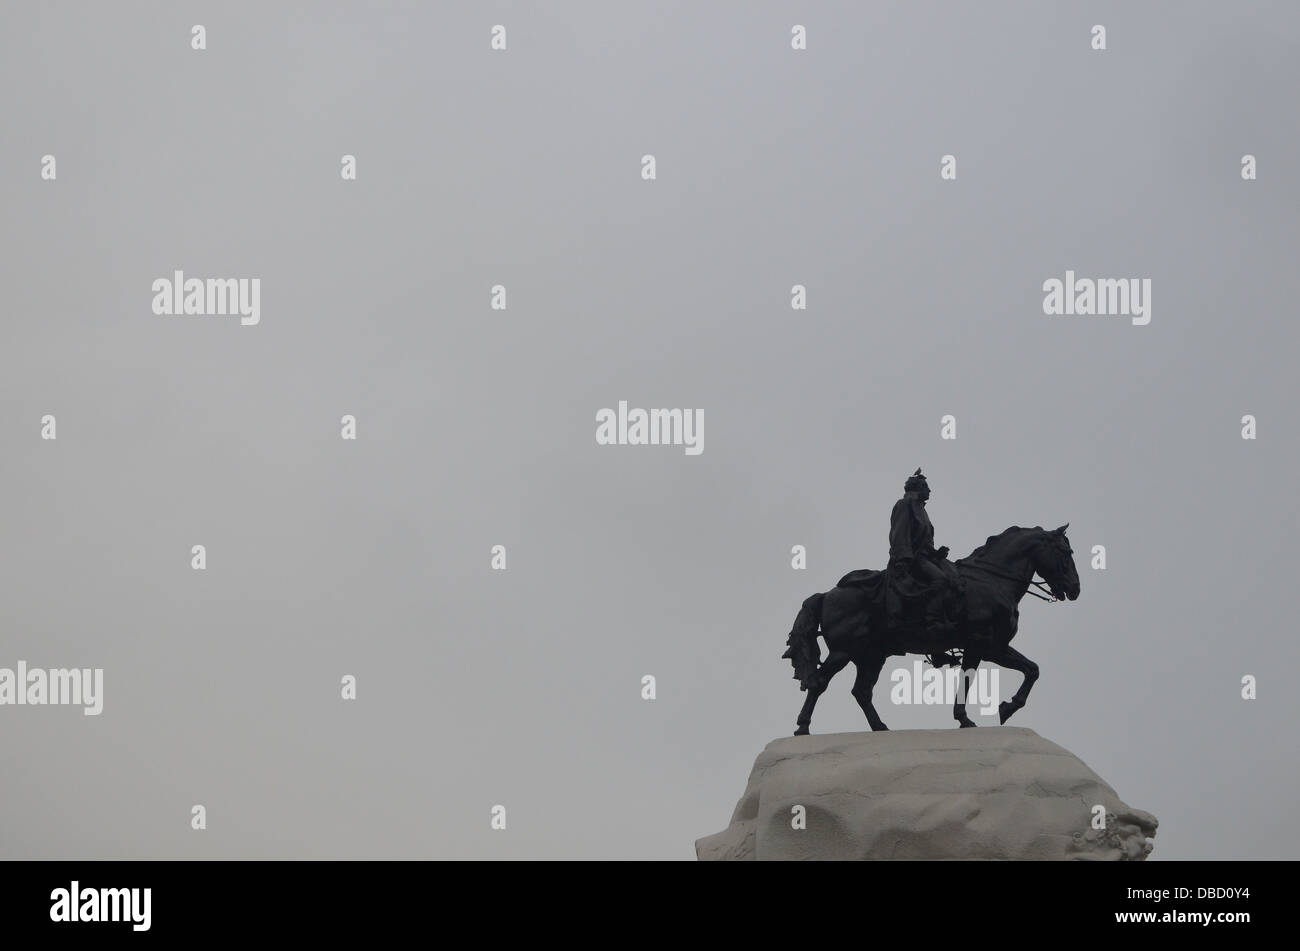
(967, 723)
(1005, 709)
(802, 731)
(881, 729)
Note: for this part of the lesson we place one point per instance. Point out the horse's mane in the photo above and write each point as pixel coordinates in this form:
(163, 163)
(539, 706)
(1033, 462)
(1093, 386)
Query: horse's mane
(1001, 536)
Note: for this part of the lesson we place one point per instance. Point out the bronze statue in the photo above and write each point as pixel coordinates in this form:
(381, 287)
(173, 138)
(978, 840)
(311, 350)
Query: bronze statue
(913, 561)
(871, 615)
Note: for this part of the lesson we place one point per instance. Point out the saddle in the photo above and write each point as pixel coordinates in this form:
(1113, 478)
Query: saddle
(879, 588)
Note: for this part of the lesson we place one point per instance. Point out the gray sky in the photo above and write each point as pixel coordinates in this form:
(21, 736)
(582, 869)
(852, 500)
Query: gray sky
(476, 427)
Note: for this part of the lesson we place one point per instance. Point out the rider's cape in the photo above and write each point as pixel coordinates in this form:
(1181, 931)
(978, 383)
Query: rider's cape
(886, 591)
(873, 581)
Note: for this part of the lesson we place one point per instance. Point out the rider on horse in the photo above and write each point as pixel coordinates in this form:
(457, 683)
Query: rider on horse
(913, 560)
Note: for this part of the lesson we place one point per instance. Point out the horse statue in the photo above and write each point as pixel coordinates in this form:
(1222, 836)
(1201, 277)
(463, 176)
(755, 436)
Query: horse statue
(853, 621)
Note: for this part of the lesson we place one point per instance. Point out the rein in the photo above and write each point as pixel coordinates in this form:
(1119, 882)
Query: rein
(1049, 598)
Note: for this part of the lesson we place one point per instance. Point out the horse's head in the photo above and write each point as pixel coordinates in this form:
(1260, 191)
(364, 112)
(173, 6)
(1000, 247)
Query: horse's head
(1053, 559)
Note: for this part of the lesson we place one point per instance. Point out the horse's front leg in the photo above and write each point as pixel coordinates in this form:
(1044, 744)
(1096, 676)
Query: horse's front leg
(969, 662)
(1012, 659)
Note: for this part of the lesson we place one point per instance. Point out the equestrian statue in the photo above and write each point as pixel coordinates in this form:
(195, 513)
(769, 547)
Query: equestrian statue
(955, 613)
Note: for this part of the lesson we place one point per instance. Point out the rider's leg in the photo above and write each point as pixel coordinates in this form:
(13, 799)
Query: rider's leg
(928, 572)
(932, 575)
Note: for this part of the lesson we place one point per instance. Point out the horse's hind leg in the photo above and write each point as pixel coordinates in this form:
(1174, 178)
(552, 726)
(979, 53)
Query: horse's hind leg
(831, 666)
(869, 667)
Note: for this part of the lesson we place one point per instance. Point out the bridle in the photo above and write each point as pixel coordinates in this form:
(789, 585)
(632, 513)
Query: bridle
(1041, 585)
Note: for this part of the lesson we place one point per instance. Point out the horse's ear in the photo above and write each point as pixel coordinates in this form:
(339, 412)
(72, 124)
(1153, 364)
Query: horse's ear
(1061, 530)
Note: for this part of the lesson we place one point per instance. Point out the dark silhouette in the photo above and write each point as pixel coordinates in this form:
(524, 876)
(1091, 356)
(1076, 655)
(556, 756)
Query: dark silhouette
(916, 568)
(872, 615)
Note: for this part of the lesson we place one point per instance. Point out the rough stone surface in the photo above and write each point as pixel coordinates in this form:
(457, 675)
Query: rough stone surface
(985, 793)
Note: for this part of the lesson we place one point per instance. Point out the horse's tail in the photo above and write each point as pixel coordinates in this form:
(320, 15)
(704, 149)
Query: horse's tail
(803, 652)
